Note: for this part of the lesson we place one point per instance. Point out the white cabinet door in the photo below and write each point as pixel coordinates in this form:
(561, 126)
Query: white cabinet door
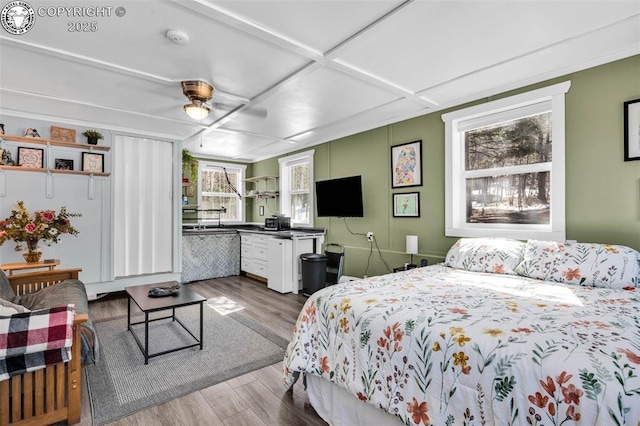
(280, 268)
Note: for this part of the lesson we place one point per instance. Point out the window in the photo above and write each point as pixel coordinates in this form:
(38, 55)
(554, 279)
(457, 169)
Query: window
(218, 187)
(296, 187)
(505, 167)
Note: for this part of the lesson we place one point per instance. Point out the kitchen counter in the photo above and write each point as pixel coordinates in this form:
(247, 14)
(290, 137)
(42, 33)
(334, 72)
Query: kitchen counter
(271, 256)
(255, 229)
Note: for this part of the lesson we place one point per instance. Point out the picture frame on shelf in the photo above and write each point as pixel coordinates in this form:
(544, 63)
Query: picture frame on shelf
(406, 204)
(30, 157)
(63, 164)
(92, 162)
(31, 132)
(406, 165)
(632, 130)
(63, 135)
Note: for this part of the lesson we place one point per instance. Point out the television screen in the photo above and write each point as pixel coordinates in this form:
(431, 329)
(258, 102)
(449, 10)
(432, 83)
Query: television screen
(340, 197)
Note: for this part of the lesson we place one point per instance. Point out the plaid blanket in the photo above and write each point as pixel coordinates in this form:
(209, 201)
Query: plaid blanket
(33, 340)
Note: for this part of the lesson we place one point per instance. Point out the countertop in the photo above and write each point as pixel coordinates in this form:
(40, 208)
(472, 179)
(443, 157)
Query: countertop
(256, 229)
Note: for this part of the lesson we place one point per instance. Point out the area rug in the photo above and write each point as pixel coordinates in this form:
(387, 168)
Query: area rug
(120, 384)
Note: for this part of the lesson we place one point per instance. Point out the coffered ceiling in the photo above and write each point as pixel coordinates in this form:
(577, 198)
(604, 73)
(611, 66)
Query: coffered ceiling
(289, 74)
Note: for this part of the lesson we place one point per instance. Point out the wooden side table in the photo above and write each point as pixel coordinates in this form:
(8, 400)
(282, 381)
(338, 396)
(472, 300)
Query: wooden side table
(10, 267)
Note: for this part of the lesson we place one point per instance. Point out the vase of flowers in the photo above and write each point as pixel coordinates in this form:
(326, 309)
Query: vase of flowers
(32, 253)
(44, 225)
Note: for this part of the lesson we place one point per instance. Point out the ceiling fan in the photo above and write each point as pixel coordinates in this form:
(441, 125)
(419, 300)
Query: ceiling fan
(200, 93)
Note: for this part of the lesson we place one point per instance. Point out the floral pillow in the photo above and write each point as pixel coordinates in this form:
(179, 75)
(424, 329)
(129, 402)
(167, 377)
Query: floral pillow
(495, 255)
(586, 264)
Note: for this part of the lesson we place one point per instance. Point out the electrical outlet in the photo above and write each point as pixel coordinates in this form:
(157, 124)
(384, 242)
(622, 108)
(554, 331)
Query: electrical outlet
(369, 236)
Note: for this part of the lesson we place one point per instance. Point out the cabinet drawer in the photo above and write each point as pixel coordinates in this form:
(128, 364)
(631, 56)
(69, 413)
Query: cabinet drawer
(245, 251)
(246, 265)
(260, 269)
(260, 240)
(245, 239)
(259, 253)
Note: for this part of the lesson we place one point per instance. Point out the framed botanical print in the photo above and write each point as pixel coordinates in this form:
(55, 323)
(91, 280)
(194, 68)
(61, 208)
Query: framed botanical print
(406, 204)
(30, 157)
(92, 162)
(632, 130)
(406, 165)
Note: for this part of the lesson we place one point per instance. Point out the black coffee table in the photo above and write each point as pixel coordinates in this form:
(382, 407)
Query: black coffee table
(140, 295)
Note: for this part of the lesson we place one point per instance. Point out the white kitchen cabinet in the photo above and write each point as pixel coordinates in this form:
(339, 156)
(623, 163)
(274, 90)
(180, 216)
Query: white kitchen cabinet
(263, 258)
(253, 253)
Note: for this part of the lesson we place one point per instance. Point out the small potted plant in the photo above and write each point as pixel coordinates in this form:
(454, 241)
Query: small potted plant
(92, 136)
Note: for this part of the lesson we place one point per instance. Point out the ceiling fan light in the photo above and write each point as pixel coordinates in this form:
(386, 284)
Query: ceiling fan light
(196, 110)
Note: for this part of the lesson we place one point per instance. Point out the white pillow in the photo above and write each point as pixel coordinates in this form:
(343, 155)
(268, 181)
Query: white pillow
(6, 311)
(8, 308)
(586, 264)
(495, 255)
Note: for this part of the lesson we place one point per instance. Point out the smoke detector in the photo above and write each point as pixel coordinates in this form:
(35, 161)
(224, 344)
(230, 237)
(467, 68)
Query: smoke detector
(178, 37)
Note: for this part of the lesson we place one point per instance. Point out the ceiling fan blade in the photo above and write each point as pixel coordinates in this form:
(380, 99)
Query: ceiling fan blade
(253, 111)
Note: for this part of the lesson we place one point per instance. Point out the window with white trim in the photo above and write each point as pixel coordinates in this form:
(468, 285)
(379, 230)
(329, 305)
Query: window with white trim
(218, 187)
(296, 188)
(504, 167)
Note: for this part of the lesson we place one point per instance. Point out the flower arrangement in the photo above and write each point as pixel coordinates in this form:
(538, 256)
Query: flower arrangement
(44, 225)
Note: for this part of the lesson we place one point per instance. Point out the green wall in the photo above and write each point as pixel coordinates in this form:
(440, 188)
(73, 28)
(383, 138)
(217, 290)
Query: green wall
(602, 190)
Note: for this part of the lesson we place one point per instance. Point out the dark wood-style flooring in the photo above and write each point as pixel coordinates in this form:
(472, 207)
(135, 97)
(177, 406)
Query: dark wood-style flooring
(257, 398)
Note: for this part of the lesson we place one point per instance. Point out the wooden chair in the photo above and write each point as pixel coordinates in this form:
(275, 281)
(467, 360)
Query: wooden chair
(52, 394)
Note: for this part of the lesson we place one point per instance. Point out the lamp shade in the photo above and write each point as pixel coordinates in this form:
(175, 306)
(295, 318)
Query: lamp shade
(412, 244)
(196, 110)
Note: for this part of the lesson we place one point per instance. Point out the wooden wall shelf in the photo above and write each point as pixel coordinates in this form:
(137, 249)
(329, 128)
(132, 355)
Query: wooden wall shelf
(43, 170)
(41, 141)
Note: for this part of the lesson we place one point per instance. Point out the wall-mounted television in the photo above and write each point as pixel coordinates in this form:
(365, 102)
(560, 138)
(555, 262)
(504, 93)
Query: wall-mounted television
(340, 197)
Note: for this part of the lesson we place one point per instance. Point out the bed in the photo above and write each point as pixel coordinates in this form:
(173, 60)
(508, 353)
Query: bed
(503, 332)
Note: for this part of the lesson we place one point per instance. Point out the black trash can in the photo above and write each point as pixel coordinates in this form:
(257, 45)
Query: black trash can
(314, 272)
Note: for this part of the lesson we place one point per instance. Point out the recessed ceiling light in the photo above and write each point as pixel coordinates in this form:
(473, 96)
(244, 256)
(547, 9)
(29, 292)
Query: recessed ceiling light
(178, 37)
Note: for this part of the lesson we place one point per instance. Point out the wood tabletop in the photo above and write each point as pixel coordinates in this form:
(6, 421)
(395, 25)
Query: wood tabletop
(29, 265)
(140, 295)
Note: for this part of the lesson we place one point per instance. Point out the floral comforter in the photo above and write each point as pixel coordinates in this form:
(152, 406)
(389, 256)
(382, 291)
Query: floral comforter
(441, 346)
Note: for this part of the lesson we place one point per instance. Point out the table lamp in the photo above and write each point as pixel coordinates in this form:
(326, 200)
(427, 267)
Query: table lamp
(412, 248)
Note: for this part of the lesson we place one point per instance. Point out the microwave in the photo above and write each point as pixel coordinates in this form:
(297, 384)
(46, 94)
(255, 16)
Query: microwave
(277, 223)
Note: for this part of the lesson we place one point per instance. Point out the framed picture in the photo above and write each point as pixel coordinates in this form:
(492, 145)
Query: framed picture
(406, 204)
(63, 164)
(632, 130)
(406, 165)
(30, 157)
(63, 135)
(92, 162)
